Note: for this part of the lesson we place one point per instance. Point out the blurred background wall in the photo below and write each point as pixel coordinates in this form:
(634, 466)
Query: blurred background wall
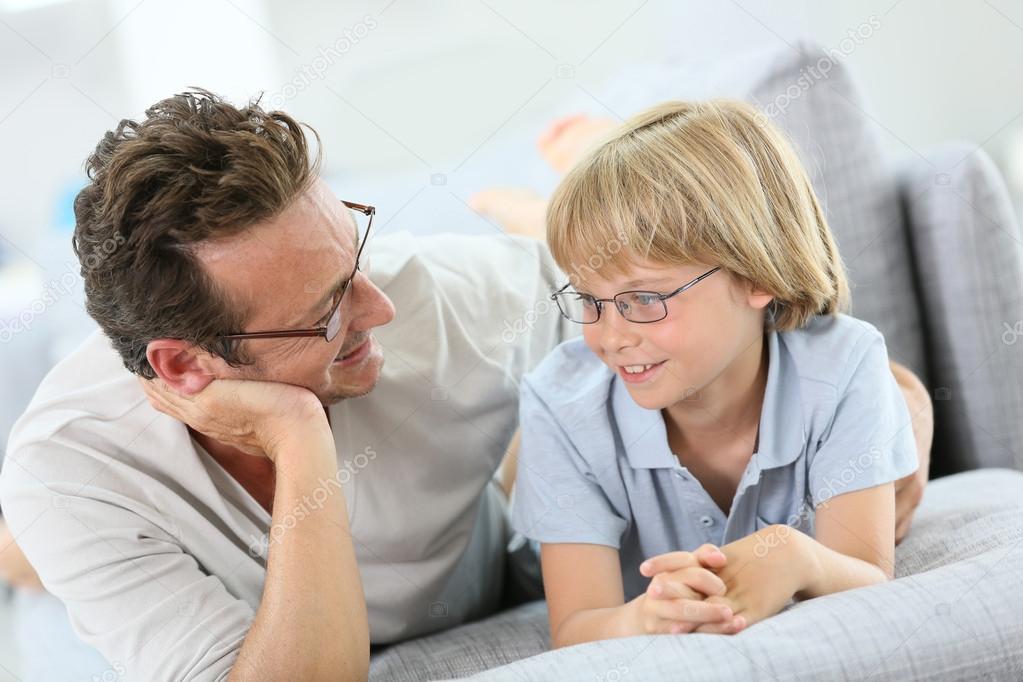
(420, 104)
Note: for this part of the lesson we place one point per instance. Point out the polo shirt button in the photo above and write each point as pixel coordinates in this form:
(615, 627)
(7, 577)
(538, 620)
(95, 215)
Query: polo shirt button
(706, 520)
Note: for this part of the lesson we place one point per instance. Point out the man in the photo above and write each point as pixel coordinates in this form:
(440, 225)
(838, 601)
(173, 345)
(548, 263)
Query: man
(210, 486)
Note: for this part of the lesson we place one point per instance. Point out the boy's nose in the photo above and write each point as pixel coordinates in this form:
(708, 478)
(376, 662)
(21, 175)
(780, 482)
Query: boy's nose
(616, 333)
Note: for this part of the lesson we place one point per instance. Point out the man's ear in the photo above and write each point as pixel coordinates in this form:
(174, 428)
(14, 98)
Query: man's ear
(183, 366)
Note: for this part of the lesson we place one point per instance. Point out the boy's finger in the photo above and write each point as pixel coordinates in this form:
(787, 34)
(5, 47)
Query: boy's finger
(703, 581)
(708, 555)
(732, 626)
(661, 588)
(672, 561)
(692, 611)
(681, 628)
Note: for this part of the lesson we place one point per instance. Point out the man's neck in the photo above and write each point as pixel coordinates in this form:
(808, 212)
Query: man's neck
(241, 465)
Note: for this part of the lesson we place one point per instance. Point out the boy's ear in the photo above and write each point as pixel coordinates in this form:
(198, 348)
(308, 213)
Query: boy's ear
(759, 299)
(183, 366)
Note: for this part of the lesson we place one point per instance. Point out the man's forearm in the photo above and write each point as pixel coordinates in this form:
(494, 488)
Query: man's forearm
(311, 623)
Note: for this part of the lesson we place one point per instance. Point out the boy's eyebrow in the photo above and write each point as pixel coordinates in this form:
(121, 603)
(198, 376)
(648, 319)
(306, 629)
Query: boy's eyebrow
(650, 282)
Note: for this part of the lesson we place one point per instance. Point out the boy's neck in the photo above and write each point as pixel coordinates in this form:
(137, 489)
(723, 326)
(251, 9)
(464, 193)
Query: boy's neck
(725, 411)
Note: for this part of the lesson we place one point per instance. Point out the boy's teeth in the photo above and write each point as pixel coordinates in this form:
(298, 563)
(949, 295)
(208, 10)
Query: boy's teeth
(636, 369)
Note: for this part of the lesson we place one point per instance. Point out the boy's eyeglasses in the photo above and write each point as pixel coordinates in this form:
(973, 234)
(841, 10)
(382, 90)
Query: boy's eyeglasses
(330, 329)
(635, 306)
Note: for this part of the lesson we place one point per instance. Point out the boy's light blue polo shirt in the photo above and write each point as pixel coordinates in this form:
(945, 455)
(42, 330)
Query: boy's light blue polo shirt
(594, 467)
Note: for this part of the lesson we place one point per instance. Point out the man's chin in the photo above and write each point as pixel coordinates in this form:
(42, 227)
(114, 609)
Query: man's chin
(354, 384)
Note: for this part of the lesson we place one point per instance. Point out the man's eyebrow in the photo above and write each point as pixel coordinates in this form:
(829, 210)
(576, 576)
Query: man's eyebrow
(326, 298)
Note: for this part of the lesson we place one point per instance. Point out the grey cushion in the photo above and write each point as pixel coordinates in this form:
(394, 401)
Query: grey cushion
(968, 254)
(951, 614)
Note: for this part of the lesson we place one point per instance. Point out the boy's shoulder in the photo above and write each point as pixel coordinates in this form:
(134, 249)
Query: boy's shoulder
(570, 374)
(830, 347)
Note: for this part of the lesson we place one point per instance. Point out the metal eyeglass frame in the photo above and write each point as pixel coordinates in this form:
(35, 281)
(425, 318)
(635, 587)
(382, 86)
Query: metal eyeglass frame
(328, 331)
(618, 305)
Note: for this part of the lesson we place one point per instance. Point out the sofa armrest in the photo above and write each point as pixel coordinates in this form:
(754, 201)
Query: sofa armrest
(968, 258)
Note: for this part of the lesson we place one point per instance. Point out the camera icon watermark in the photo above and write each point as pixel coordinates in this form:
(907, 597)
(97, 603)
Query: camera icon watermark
(1012, 332)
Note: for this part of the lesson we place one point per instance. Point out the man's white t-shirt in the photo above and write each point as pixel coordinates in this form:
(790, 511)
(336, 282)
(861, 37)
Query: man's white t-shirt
(160, 555)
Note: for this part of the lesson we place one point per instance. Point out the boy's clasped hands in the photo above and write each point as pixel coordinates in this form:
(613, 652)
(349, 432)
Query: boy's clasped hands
(722, 590)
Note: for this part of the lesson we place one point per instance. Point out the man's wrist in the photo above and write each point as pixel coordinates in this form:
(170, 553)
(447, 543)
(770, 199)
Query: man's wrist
(304, 444)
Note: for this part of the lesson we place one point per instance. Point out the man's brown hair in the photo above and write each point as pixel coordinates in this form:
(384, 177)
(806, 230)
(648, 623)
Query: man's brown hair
(195, 169)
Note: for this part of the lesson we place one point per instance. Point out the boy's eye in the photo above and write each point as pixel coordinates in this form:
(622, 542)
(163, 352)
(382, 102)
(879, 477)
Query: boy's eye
(587, 301)
(641, 298)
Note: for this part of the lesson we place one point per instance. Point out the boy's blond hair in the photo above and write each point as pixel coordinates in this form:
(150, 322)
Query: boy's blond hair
(711, 182)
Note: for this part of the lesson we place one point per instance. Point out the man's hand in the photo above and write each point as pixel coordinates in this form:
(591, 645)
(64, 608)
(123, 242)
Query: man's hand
(675, 600)
(253, 416)
(14, 567)
(909, 490)
(312, 622)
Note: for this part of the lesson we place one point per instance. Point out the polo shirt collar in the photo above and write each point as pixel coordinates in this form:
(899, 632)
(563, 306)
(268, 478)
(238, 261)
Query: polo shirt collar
(781, 438)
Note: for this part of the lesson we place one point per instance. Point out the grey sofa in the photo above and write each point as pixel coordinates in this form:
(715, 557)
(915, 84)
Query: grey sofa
(936, 262)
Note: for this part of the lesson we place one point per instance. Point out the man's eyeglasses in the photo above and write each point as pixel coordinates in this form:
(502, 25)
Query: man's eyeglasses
(635, 306)
(329, 330)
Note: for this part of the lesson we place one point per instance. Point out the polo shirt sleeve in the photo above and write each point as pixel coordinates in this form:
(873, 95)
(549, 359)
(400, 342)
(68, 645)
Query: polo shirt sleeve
(556, 497)
(130, 588)
(869, 440)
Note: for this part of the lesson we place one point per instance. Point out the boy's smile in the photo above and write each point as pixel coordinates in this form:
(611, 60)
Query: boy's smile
(638, 374)
(706, 330)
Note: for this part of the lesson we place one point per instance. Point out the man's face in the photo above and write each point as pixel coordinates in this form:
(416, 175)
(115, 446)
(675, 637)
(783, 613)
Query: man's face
(284, 272)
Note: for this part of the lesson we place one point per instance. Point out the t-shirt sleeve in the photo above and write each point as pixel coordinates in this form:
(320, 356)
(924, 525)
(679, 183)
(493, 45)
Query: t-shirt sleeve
(131, 590)
(556, 497)
(493, 290)
(869, 441)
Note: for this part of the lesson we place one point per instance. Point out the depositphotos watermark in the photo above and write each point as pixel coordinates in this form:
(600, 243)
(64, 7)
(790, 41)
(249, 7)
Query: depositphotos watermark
(821, 69)
(56, 289)
(314, 501)
(326, 57)
(591, 266)
(114, 673)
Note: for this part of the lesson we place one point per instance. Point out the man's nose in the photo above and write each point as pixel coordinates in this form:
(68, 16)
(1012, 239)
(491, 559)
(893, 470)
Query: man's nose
(372, 306)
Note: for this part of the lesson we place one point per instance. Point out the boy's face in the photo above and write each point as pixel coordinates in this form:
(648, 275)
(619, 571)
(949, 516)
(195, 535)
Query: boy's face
(708, 328)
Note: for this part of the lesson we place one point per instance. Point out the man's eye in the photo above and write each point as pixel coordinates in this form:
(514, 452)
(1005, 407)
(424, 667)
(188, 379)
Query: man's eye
(330, 311)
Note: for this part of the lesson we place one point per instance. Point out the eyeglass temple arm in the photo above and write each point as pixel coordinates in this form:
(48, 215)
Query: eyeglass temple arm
(361, 208)
(561, 290)
(690, 284)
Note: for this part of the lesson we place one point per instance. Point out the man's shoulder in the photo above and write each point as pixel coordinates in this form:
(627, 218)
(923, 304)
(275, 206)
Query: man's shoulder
(87, 412)
(466, 302)
(494, 260)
